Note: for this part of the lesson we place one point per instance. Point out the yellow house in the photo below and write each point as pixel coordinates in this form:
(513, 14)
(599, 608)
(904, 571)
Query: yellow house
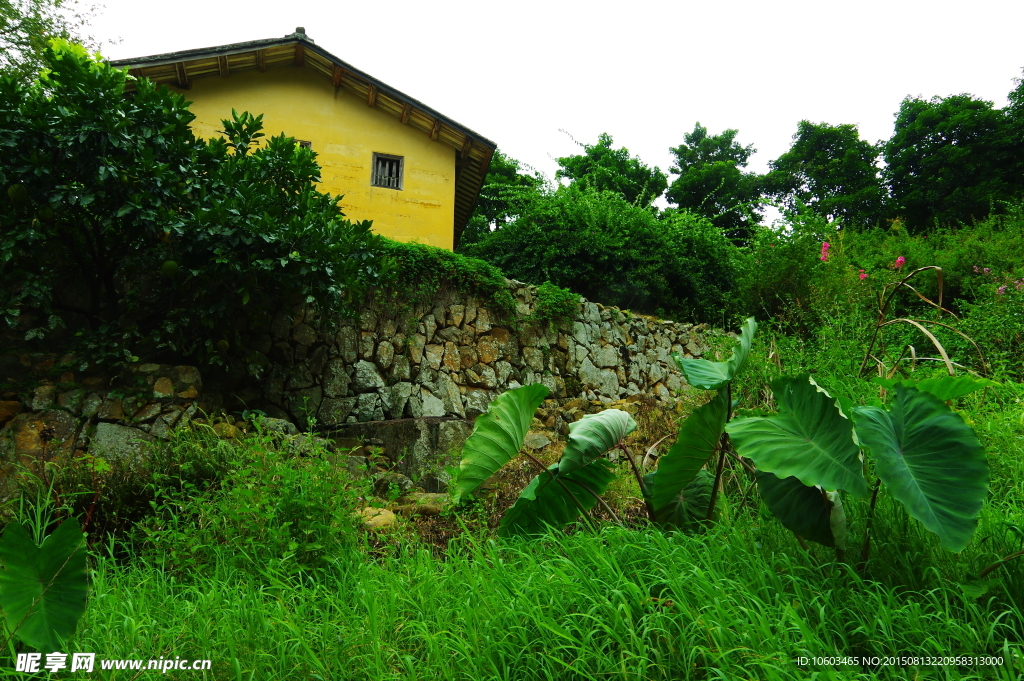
(396, 161)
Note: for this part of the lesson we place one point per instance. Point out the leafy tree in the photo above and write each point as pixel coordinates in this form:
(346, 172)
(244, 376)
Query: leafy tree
(506, 189)
(830, 169)
(27, 25)
(606, 169)
(118, 223)
(607, 249)
(949, 160)
(1015, 113)
(712, 183)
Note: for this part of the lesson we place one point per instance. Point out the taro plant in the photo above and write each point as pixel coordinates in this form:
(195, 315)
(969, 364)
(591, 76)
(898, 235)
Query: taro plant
(817, 446)
(679, 492)
(43, 586)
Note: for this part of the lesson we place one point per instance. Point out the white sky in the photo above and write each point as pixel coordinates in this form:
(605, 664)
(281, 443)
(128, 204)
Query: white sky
(642, 71)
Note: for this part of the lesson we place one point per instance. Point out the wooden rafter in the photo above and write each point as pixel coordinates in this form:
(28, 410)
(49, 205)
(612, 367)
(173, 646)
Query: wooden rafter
(223, 63)
(179, 67)
(436, 129)
(261, 60)
(336, 76)
(371, 95)
(406, 110)
(467, 146)
(486, 161)
(300, 54)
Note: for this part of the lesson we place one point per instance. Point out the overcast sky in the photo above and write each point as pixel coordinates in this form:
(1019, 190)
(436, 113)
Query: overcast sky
(645, 72)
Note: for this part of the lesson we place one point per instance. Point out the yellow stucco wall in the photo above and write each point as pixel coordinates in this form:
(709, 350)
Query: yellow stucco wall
(345, 133)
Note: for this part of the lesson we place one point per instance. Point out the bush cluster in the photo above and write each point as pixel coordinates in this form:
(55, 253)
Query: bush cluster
(599, 245)
(141, 240)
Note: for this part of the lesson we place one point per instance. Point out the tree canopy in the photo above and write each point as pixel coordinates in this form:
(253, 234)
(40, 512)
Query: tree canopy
(26, 26)
(506, 189)
(712, 183)
(831, 170)
(604, 168)
(950, 160)
(122, 226)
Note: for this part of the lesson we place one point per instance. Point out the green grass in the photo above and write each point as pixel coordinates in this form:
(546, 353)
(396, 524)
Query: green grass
(624, 604)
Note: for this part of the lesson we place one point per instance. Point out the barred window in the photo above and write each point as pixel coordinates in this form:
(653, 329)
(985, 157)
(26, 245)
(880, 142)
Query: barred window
(387, 171)
(305, 144)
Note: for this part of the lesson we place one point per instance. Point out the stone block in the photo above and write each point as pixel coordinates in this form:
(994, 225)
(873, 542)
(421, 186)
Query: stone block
(416, 345)
(367, 377)
(452, 359)
(335, 411)
(396, 398)
(304, 334)
(426, 404)
(433, 355)
(369, 407)
(118, 442)
(367, 344)
(348, 345)
(533, 358)
(385, 354)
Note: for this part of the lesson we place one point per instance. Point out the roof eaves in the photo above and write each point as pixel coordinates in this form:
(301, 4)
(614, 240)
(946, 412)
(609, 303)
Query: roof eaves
(236, 48)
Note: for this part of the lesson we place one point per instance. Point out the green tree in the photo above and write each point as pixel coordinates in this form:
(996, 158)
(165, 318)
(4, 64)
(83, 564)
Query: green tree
(118, 223)
(602, 246)
(26, 26)
(712, 183)
(1015, 113)
(949, 160)
(505, 191)
(604, 168)
(830, 169)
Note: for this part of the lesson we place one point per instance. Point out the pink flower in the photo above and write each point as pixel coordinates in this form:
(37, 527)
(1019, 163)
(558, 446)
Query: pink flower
(824, 251)
(986, 270)
(899, 262)
(862, 275)
(976, 270)
(1001, 290)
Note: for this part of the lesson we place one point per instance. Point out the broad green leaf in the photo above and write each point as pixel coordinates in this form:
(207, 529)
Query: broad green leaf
(929, 460)
(807, 511)
(497, 436)
(703, 373)
(944, 387)
(545, 503)
(697, 441)
(689, 505)
(592, 436)
(809, 438)
(43, 588)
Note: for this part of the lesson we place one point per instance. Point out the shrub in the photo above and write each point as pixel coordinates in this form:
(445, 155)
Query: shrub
(119, 224)
(601, 246)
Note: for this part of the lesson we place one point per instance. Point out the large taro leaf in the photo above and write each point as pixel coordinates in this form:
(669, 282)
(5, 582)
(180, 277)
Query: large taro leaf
(944, 387)
(810, 512)
(497, 436)
(698, 438)
(592, 436)
(689, 505)
(545, 503)
(703, 373)
(809, 438)
(43, 588)
(930, 461)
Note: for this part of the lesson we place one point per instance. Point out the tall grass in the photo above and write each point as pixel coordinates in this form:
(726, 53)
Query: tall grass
(734, 603)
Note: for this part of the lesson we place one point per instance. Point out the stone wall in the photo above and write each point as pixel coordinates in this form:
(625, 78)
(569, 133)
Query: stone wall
(452, 360)
(428, 374)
